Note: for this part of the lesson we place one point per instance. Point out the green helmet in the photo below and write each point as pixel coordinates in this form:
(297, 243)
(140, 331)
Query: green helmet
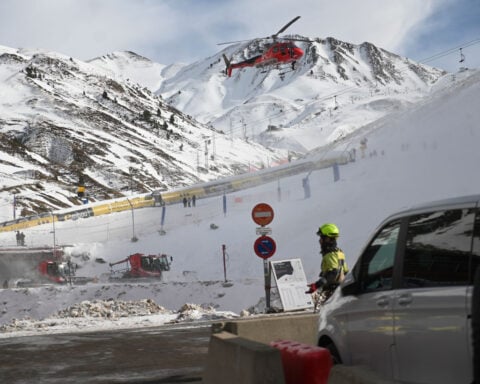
(329, 230)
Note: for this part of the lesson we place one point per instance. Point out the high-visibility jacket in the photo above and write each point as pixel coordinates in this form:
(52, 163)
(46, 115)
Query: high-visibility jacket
(334, 261)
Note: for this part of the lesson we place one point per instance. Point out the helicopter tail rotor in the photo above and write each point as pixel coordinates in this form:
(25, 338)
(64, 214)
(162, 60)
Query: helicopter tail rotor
(228, 66)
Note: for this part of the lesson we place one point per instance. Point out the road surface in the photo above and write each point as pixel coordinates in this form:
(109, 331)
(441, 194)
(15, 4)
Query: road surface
(167, 354)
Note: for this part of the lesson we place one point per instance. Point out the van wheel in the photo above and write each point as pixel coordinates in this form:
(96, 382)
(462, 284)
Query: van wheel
(334, 352)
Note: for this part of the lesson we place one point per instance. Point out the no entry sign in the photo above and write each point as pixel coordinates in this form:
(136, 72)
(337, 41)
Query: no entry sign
(264, 247)
(262, 214)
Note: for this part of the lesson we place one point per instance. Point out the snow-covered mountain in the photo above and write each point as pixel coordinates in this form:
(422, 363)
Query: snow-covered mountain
(134, 68)
(62, 120)
(336, 88)
(124, 124)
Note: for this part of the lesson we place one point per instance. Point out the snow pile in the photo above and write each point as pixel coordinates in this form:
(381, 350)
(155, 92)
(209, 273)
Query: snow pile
(108, 314)
(111, 309)
(194, 312)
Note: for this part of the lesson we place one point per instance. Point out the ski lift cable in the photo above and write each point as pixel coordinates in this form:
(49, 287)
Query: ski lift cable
(450, 51)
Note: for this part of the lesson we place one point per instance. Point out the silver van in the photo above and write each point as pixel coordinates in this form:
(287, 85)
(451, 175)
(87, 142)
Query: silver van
(405, 308)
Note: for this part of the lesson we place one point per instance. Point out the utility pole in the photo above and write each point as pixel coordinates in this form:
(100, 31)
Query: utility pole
(214, 149)
(224, 252)
(14, 206)
(53, 231)
(244, 130)
(206, 154)
(134, 238)
(131, 170)
(198, 162)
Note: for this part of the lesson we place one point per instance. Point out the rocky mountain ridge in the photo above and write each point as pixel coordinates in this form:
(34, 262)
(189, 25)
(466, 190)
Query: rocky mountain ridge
(65, 122)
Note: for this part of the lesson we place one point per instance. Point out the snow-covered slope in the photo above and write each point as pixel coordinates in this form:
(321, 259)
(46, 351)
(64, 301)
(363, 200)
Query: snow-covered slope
(427, 152)
(335, 88)
(128, 66)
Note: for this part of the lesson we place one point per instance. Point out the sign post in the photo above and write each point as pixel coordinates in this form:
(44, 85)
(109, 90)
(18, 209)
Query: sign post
(264, 246)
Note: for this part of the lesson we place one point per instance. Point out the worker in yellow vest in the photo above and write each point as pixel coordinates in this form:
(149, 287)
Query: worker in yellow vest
(333, 267)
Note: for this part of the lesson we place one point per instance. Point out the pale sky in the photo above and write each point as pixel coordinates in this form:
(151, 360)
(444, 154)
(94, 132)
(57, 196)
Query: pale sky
(170, 31)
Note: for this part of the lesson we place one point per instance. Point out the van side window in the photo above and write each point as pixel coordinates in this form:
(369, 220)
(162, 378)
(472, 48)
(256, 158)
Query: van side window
(476, 248)
(438, 248)
(376, 269)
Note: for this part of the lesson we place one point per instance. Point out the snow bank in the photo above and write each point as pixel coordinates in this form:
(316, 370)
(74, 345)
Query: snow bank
(95, 315)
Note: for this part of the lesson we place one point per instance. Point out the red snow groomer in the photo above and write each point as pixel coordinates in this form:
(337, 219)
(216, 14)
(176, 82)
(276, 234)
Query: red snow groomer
(56, 272)
(141, 265)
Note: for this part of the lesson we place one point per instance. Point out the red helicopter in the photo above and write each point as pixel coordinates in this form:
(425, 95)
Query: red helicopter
(284, 52)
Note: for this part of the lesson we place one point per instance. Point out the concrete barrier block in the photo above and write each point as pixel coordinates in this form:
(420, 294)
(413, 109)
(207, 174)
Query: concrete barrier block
(299, 327)
(235, 360)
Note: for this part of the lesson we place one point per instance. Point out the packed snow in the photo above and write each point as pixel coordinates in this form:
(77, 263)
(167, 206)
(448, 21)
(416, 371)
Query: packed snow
(426, 152)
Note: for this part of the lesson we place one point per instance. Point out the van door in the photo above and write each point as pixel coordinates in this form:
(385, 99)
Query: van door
(370, 317)
(430, 307)
(474, 308)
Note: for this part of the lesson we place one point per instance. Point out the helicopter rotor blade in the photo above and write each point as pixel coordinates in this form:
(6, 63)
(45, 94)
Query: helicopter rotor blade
(286, 26)
(267, 37)
(233, 42)
(296, 39)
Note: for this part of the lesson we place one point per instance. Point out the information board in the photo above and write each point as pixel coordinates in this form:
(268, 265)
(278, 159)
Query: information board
(291, 283)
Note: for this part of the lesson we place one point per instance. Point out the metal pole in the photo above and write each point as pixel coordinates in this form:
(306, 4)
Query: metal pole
(224, 204)
(162, 231)
(54, 241)
(163, 215)
(336, 172)
(266, 269)
(224, 263)
(134, 238)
